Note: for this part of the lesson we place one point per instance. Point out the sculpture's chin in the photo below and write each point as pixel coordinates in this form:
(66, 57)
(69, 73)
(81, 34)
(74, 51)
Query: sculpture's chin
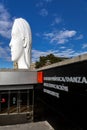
(13, 59)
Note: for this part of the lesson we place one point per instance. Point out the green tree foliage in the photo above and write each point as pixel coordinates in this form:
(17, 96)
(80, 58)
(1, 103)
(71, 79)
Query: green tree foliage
(46, 60)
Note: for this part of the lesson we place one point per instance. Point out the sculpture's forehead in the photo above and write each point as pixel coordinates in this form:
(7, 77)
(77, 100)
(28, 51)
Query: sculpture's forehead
(15, 29)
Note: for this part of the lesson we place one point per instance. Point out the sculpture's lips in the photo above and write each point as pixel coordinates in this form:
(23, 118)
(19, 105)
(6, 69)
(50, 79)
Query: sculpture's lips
(11, 50)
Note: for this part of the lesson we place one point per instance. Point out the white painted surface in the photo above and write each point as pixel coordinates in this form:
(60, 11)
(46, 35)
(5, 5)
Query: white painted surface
(21, 43)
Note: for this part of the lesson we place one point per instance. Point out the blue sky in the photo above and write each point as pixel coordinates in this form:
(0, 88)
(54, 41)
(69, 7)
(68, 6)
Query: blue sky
(58, 27)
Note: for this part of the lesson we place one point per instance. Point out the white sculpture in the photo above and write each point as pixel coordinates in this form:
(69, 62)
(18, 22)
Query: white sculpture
(21, 43)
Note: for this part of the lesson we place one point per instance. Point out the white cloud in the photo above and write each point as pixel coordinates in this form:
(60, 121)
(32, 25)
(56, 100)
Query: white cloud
(1, 43)
(48, 0)
(79, 37)
(84, 46)
(37, 53)
(40, 4)
(4, 53)
(43, 12)
(66, 53)
(5, 22)
(60, 37)
(62, 47)
(38, 34)
(57, 20)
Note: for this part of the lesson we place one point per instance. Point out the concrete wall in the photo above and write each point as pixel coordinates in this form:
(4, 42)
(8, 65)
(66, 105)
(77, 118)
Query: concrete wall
(16, 119)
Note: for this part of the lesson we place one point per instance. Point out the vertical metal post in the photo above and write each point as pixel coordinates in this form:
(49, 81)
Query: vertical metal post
(28, 100)
(9, 101)
(0, 102)
(33, 104)
(18, 101)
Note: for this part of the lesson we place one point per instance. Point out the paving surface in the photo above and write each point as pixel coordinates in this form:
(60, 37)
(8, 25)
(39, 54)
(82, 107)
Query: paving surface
(29, 126)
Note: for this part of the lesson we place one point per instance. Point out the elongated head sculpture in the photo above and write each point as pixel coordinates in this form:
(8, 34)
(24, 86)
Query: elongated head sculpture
(20, 43)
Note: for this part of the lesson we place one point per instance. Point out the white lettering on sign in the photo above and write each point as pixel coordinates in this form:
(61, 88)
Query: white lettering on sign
(55, 86)
(67, 79)
(51, 93)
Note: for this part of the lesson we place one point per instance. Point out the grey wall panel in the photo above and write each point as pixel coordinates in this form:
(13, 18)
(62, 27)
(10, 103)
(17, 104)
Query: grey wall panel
(18, 77)
(15, 87)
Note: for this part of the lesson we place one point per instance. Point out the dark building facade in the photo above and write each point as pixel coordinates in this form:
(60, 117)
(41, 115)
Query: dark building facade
(64, 93)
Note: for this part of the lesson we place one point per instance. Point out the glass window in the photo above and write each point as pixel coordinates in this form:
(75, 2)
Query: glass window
(3, 102)
(16, 101)
(31, 100)
(13, 102)
(23, 101)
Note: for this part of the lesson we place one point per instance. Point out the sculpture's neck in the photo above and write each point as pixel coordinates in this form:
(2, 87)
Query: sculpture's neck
(22, 63)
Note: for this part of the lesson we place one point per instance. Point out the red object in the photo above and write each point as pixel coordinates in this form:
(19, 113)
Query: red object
(40, 77)
(3, 100)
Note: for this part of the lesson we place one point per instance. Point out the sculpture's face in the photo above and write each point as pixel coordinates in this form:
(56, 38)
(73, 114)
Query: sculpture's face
(16, 44)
